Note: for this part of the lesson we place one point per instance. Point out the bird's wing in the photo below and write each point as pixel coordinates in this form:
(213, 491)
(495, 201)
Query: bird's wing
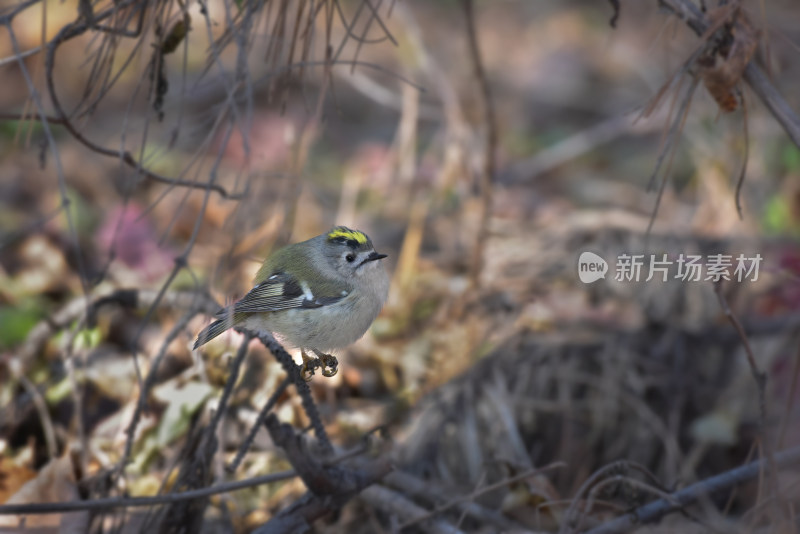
(280, 291)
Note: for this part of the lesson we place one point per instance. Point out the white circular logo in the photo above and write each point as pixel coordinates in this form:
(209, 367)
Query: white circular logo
(591, 267)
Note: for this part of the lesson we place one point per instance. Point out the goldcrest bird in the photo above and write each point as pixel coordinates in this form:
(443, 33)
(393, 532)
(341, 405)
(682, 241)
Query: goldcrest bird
(317, 295)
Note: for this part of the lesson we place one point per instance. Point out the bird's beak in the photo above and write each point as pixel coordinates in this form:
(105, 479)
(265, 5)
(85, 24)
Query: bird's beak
(373, 256)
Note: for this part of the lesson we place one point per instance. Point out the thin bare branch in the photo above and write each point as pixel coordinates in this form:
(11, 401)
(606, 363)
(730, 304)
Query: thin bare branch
(490, 145)
(398, 505)
(753, 75)
(654, 511)
(482, 491)
(262, 417)
(149, 382)
(431, 491)
(743, 170)
(73, 30)
(669, 148)
(571, 515)
(120, 502)
(760, 378)
(293, 371)
(330, 486)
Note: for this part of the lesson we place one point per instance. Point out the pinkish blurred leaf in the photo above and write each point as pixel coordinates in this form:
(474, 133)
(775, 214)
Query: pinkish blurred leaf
(132, 239)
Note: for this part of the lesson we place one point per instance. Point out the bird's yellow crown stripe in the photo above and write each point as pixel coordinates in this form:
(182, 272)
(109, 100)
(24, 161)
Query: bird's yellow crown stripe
(340, 232)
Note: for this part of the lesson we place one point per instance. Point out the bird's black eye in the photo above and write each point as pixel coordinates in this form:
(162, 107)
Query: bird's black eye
(350, 258)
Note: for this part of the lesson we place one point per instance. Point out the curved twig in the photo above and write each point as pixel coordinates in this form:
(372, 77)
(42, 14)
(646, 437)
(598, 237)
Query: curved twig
(73, 30)
(293, 372)
(753, 75)
(657, 509)
(487, 174)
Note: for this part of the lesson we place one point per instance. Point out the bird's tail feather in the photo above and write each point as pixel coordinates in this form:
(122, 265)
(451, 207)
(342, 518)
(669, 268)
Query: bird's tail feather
(212, 331)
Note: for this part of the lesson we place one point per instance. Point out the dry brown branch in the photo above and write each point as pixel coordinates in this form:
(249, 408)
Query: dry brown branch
(363, 39)
(76, 29)
(743, 170)
(656, 510)
(431, 491)
(195, 472)
(727, 53)
(330, 486)
(320, 479)
(668, 148)
(398, 505)
(149, 382)
(7, 17)
(622, 480)
(51, 144)
(571, 515)
(41, 410)
(721, 76)
(292, 370)
(181, 261)
(760, 379)
(489, 147)
(196, 469)
(259, 422)
(753, 75)
(129, 502)
(759, 376)
(481, 491)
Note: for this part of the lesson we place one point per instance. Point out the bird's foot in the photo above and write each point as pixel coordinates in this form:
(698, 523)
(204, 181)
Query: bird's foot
(330, 365)
(327, 363)
(309, 366)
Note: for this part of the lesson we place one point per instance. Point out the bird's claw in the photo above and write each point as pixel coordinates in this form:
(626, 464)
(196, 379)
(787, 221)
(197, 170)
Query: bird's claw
(328, 364)
(308, 367)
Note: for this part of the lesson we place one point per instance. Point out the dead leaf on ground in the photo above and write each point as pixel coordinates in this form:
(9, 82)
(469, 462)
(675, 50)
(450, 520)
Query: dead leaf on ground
(56, 482)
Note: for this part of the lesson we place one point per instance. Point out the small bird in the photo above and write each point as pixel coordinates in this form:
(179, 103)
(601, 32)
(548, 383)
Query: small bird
(317, 295)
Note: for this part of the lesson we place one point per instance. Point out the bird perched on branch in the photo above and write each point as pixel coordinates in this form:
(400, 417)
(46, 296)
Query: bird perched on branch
(318, 295)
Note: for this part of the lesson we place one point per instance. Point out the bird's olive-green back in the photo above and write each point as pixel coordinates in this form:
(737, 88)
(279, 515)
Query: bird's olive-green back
(299, 260)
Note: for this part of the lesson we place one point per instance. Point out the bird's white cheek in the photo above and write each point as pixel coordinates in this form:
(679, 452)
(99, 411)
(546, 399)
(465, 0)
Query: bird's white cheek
(369, 267)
